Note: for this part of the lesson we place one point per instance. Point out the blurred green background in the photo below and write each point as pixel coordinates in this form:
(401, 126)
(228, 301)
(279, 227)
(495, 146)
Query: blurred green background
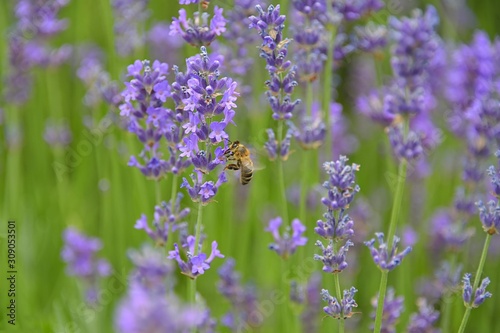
(103, 197)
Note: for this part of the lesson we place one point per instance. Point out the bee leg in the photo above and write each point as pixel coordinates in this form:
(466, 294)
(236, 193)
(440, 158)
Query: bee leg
(232, 167)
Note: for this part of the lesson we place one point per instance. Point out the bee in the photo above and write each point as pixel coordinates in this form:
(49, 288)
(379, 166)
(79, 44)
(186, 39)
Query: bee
(238, 157)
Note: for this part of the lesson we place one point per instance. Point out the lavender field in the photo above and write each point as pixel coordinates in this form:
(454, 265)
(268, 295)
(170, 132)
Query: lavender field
(246, 166)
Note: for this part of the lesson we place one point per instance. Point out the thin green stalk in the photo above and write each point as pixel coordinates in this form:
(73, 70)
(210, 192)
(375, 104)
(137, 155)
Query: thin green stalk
(285, 307)
(281, 176)
(336, 280)
(396, 207)
(192, 290)
(477, 278)
(327, 87)
(305, 161)
(398, 198)
(446, 302)
(380, 303)
(157, 192)
(173, 196)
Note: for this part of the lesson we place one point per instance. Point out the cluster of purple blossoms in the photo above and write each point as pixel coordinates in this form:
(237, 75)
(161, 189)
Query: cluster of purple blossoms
(150, 305)
(393, 308)
(208, 103)
(36, 23)
(274, 49)
(337, 226)
(238, 55)
(387, 257)
(147, 117)
(167, 219)
(97, 80)
(243, 298)
(130, 16)
(57, 134)
(196, 264)
(409, 97)
(198, 31)
(79, 253)
(424, 320)
(309, 297)
(342, 309)
(287, 244)
(480, 294)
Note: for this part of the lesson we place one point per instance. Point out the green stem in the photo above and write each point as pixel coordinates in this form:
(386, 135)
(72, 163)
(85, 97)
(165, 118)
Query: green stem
(327, 87)
(380, 303)
(173, 196)
(339, 297)
(398, 198)
(305, 161)
(281, 176)
(285, 307)
(396, 207)
(158, 192)
(447, 300)
(477, 278)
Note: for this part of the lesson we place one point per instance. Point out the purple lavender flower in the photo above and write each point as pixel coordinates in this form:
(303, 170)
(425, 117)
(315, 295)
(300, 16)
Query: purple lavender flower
(480, 293)
(203, 191)
(129, 17)
(196, 265)
(243, 299)
(143, 310)
(333, 262)
(311, 131)
(341, 184)
(424, 320)
(393, 307)
(446, 282)
(166, 220)
(79, 253)
(415, 42)
(57, 135)
(286, 245)
(409, 148)
(370, 37)
(343, 309)
(36, 24)
(151, 268)
(489, 216)
(385, 258)
(335, 228)
(308, 295)
(97, 81)
(198, 31)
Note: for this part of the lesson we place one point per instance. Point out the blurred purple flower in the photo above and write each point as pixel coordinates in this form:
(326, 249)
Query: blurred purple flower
(393, 308)
(79, 253)
(198, 31)
(286, 245)
(424, 320)
(129, 16)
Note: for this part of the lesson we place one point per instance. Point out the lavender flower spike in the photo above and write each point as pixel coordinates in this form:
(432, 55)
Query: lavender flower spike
(333, 262)
(341, 184)
(79, 253)
(196, 265)
(489, 216)
(385, 258)
(344, 308)
(423, 321)
(286, 245)
(480, 295)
